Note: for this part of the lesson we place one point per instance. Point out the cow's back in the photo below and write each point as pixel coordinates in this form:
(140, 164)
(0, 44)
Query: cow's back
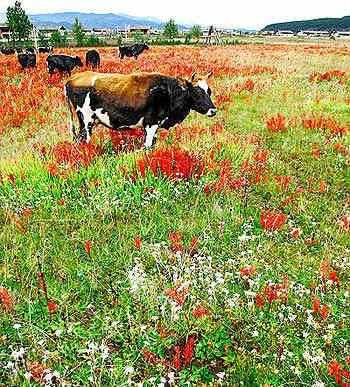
(129, 90)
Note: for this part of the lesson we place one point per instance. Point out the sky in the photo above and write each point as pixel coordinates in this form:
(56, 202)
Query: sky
(253, 14)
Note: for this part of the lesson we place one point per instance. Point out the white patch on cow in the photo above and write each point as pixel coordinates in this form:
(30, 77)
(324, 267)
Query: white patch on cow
(87, 113)
(211, 112)
(103, 117)
(203, 85)
(150, 134)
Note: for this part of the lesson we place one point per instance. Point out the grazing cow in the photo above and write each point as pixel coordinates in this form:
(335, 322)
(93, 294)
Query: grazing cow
(45, 50)
(8, 51)
(63, 63)
(27, 60)
(30, 50)
(132, 51)
(146, 100)
(93, 59)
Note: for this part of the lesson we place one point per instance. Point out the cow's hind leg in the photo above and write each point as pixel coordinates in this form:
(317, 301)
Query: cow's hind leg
(151, 134)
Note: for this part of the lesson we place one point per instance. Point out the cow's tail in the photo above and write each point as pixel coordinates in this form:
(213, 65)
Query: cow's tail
(68, 91)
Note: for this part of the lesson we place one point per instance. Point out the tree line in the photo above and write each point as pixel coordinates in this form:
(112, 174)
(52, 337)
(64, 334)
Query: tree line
(21, 29)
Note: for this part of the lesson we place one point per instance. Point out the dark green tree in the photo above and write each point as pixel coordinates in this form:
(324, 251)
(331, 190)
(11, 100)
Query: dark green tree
(196, 32)
(78, 33)
(18, 22)
(171, 30)
(59, 40)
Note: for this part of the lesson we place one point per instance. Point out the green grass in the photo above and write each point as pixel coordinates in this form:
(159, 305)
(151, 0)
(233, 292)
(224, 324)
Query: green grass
(114, 301)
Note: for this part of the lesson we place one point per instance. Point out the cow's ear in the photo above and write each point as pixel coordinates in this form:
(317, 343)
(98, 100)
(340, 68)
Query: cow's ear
(193, 77)
(209, 75)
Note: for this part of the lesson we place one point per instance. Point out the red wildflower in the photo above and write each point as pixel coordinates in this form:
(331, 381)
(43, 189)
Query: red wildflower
(177, 363)
(87, 246)
(316, 305)
(324, 311)
(176, 243)
(200, 311)
(334, 278)
(52, 306)
(272, 221)
(260, 301)
(27, 212)
(52, 169)
(277, 123)
(6, 299)
(37, 371)
(295, 232)
(138, 242)
(178, 294)
(74, 155)
(284, 182)
(188, 351)
(248, 271)
(173, 163)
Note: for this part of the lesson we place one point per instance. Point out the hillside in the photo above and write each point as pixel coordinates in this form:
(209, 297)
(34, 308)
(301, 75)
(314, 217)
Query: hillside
(325, 24)
(92, 20)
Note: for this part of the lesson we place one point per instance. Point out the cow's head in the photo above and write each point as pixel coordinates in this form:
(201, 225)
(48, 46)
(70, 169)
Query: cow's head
(78, 61)
(200, 95)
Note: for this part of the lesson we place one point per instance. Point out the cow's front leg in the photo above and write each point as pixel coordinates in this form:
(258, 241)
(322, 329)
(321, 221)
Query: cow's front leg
(151, 135)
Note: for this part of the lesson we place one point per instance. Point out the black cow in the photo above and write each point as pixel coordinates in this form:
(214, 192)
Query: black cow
(30, 50)
(45, 50)
(8, 51)
(147, 100)
(27, 60)
(93, 59)
(63, 63)
(132, 51)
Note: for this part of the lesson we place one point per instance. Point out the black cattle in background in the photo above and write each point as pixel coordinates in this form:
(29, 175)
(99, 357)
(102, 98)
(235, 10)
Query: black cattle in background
(132, 51)
(93, 59)
(63, 63)
(8, 51)
(27, 60)
(45, 50)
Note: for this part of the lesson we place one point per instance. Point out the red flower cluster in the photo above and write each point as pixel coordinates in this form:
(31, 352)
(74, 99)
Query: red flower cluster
(317, 308)
(127, 140)
(248, 271)
(173, 163)
(6, 300)
(178, 294)
(272, 292)
(182, 355)
(248, 85)
(226, 181)
(272, 221)
(200, 311)
(73, 155)
(325, 124)
(337, 371)
(328, 76)
(277, 123)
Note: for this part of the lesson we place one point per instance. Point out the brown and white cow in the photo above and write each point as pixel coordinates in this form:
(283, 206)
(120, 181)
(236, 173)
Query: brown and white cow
(147, 100)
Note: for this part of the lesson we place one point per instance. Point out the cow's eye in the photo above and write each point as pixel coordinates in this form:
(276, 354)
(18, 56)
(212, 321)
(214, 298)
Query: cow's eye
(209, 92)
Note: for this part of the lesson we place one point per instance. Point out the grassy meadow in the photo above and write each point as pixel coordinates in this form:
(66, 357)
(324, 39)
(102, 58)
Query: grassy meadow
(220, 257)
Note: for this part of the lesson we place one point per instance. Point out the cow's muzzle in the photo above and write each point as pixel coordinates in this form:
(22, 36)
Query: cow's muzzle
(212, 112)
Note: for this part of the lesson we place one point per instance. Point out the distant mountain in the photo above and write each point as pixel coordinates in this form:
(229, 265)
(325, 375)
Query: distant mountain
(325, 24)
(92, 20)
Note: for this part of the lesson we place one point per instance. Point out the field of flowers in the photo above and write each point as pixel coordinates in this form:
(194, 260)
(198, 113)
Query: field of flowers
(221, 257)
